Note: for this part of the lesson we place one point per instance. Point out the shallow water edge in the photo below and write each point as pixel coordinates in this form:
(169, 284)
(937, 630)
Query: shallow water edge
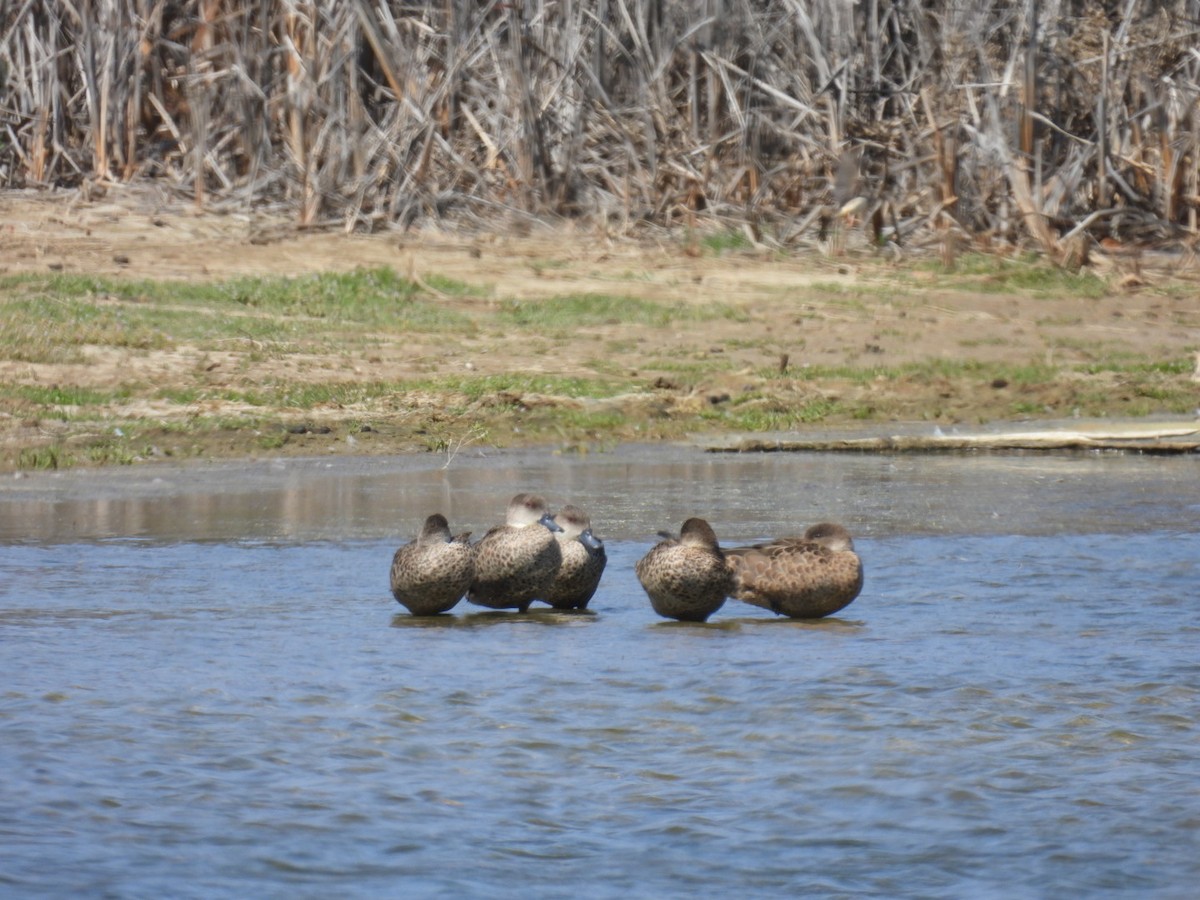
(632, 492)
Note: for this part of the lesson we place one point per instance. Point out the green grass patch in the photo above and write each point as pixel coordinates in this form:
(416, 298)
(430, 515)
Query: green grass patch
(254, 397)
(583, 310)
(65, 395)
(476, 387)
(853, 295)
(454, 288)
(982, 342)
(111, 452)
(305, 395)
(692, 369)
(364, 296)
(183, 396)
(1030, 273)
(147, 315)
(58, 329)
(44, 458)
(728, 241)
(223, 422)
(1131, 365)
(594, 420)
(273, 440)
(757, 416)
(1027, 408)
(924, 371)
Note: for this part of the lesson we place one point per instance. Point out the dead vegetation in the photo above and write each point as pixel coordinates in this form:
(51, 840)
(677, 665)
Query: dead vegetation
(1059, 123)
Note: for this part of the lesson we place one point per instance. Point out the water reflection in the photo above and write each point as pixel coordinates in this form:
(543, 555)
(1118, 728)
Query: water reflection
(465, 616)
(631, 493)
(830, 623)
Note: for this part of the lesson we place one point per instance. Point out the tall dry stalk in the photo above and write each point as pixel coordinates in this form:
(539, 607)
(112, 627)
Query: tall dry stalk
(1018, 122)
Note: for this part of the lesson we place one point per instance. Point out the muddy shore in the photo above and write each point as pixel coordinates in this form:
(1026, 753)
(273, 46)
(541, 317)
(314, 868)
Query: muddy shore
(798, 340)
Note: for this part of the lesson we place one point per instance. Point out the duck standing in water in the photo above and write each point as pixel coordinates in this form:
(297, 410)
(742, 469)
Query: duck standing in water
(431, 574)
(517, 561)
(801, 577)
(583, 561)
(687, 577)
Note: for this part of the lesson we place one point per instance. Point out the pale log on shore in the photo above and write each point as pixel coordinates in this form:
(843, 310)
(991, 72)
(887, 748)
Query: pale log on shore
(1136, 439)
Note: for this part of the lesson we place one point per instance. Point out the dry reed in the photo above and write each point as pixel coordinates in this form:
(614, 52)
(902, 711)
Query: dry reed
(1052, 122)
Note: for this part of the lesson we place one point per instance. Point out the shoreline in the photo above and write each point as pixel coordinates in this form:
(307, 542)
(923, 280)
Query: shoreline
(142, 334)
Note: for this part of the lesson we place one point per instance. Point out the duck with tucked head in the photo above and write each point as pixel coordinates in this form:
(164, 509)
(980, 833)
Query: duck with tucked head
(805, 577)
(687, 577)
(431, 574)
(517, 561)
(583, 561)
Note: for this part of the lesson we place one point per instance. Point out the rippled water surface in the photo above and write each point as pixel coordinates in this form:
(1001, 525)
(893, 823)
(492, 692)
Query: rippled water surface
(208, 690)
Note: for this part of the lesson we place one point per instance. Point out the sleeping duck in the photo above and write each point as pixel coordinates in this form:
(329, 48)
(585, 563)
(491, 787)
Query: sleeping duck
(802, 577)
(517, 561)
(431, 574)
(687, 577)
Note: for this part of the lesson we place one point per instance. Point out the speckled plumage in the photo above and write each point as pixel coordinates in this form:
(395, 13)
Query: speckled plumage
(686, 578)
(431, 574)
(583, 561)
(517, 561)
(801, 577)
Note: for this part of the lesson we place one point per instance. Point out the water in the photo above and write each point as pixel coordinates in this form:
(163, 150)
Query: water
(209, 692)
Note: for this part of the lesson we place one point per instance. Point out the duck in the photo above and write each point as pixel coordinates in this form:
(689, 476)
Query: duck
(686, 578)
(807, 577)
(432, 573)
(583, 561)
(516, 562)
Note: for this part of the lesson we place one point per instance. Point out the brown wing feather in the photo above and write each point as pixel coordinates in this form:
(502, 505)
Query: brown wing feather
(795, 577)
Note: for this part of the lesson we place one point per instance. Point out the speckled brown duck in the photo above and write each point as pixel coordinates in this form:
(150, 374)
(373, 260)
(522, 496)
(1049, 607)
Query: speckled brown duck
(805, 577)
(687, 577)
(583, 561)
(431, 574)
(517, 561)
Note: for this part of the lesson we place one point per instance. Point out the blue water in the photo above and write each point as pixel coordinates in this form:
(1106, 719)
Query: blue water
(997, 715)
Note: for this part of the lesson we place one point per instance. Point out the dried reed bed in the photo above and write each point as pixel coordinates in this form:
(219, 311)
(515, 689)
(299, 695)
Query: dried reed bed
(1057, 122)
